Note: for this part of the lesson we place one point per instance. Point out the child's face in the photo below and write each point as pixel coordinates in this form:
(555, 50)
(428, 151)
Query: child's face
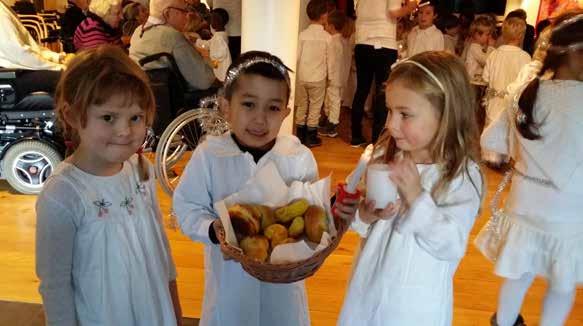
(412, 121)
(481, 36)
(426, 16)
(113, 132)
(256, 110)
(454, 31)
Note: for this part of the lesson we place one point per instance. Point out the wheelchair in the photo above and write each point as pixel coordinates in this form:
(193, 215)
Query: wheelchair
(30, 143)
(183, 119)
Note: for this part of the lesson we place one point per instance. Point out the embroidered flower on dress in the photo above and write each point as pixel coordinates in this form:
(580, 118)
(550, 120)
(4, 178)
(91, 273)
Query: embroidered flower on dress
(140, 188)
(128, 204)
(102, 205)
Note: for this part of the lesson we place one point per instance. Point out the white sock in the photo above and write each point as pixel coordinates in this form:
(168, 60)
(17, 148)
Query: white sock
(510, 299)
(556, 307)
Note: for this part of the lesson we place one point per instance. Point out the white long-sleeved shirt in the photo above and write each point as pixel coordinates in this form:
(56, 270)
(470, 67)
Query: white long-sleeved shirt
(337, 67)
(474, 58)
(404, 272)
(218, 47)
(217, 169)
(314, 54)
(373, 25)
(421, 40)
(19, 50)
(102, 255)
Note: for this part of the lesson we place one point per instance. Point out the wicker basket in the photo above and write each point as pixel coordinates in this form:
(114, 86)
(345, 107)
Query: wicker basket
(281, 273)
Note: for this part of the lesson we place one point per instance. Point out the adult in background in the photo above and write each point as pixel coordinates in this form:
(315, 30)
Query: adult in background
(101, 25)
(374, 53)
(163, 32)
(233, 28)
(76, 13)
(18, 50)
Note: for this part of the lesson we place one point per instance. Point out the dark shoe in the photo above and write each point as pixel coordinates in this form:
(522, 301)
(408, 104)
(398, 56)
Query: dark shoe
(323, 122)
(301, 133)
(358, 141)
(329, 130)
(312, 139)
(519, 321)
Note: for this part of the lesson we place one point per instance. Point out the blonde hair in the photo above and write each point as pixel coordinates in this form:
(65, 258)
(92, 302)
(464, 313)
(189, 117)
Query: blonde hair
(482, 23)
(103, 7)
(456, 142)
(513, 29)
(93, 77)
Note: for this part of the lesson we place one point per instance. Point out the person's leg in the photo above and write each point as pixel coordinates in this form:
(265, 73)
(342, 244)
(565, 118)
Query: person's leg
(332, 105)
(301, 102)
(364, 76)
(234, 47)
(383, 60)
(557, 305)
(510, 299)
(316, 93)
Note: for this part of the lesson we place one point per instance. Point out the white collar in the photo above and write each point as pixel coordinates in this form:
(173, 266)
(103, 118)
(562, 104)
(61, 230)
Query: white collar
(153, 21)
(224, 145)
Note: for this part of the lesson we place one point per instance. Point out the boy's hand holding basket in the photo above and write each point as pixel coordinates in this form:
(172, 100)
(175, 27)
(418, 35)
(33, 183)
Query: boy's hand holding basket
(277, 233)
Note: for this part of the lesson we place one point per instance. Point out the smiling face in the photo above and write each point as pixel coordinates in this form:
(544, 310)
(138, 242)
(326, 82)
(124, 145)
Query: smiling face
(112, 133)
(412, 121)
(256, 110)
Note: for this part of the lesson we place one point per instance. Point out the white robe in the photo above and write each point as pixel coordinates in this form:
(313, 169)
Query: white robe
(541, 231)
(404, 272)
(216, 170)
(101, 251)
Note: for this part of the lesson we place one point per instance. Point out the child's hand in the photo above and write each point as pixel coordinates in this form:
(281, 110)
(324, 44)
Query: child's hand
(368, 214)
(347, 208)
(405, 175)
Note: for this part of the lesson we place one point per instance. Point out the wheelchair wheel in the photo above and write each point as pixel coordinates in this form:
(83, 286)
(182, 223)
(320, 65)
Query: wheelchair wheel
(178, 141)
(28, 164)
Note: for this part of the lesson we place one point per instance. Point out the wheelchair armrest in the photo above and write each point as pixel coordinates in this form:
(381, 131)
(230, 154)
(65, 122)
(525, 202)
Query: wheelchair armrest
(155, 57)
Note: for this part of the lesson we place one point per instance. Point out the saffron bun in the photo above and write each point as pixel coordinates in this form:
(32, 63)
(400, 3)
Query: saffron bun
(245, 219)
(276, 233)
(256, 247)
(315, 223)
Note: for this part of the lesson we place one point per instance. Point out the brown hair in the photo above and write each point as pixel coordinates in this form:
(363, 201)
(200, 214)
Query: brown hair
(456, 142)
(337, 19)
(562, 35)
(482, 22)
(316, 9)
(93, 77)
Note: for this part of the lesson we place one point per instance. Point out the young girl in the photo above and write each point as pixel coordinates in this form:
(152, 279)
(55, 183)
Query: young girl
(102, 255)
(540, 229)
(411, 249)
(256, 94)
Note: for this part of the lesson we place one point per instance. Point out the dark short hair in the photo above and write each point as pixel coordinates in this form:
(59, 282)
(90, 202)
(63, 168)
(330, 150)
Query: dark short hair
(316, 9)
(222, 14)
(337, 19)
(260, 68)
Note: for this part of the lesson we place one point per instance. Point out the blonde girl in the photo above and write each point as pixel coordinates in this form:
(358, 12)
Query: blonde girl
(411, 249)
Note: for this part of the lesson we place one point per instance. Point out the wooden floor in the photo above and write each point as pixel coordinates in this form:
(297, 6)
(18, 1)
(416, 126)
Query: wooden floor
(475, 285)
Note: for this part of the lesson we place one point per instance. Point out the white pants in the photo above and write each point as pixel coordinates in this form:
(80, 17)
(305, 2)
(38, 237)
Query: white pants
(332, 103)
(309, 100)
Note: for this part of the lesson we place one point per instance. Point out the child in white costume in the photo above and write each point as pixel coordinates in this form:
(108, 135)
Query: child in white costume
(255, 103)
(540, 230)
(477, 51)
(425, 36)
(502, 68)
(218, 45)
(411, 249)
(102, 255)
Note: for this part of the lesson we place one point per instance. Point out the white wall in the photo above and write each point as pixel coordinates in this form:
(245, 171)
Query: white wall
(272, 26)
(530, 6)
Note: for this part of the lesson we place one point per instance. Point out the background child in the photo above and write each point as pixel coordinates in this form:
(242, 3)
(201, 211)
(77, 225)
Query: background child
(314, 62)
(450, 26)
(102, 255)
(218, 45)
(134, 15)
(502, 68)
(425, 36)
(404, 272)
(476, 52)
(336, 74)
(256, 94)
(540, 230)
